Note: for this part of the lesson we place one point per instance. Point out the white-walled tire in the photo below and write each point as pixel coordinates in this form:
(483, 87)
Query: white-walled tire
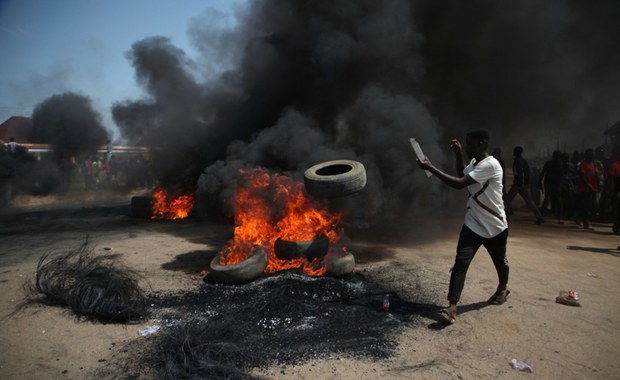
(333, 179)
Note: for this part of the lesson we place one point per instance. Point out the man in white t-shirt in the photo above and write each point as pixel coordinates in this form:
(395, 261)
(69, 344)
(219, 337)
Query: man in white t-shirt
(485, 219)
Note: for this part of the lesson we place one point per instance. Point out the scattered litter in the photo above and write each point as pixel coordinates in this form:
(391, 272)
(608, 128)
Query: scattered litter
(568, 297)
(107, 248)
(149, 330)
(385, 306)
(592, 275)
(523, 366)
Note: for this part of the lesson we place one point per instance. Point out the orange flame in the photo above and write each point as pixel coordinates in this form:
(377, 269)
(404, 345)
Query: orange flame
(271, 206)
(177, 207)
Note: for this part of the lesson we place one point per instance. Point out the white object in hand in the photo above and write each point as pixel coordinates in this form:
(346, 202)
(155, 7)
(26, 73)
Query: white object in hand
(418, 152)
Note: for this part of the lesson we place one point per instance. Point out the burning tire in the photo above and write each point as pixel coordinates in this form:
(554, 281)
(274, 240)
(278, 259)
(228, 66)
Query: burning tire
(333, 179)
(310, 249)
(141, 207)
(339, 263)
(245, 271)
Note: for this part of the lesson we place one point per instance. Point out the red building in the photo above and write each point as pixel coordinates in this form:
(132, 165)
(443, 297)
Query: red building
(16, 126)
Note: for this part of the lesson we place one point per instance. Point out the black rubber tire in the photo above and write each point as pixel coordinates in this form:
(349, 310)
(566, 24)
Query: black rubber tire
(141, 207)
(310, 249)
(339, 263)
(245, 271)
(333, 179)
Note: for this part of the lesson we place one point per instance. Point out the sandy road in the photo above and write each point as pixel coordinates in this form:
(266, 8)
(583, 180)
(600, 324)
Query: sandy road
(560, 341)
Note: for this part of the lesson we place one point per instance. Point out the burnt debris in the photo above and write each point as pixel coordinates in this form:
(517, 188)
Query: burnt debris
(222, 331)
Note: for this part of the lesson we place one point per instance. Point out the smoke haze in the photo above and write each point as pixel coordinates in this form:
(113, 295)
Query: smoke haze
(535, 73)
(309, 81)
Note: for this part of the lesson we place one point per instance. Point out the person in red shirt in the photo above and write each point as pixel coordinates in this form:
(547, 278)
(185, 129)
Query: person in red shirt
(587, 188)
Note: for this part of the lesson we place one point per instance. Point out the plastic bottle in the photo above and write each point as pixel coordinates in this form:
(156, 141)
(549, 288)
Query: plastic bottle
(386, 303)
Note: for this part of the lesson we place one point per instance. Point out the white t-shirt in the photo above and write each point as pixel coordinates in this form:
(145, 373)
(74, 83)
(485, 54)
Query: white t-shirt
(485, 207)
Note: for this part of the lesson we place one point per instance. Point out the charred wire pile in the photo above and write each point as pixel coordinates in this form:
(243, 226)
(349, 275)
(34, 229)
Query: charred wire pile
(91, 285)
(224, 331)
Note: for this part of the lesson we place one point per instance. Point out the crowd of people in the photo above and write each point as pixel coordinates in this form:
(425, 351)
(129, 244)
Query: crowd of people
(111, 171)
(582, 188)
(39, 173)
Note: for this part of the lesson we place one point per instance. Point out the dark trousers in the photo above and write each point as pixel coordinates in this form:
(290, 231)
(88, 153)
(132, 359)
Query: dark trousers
(585, 206)
(526, 194)
(468, 245)
(553, 195)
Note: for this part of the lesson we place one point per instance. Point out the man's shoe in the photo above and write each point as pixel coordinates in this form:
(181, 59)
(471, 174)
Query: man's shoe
(499, 297)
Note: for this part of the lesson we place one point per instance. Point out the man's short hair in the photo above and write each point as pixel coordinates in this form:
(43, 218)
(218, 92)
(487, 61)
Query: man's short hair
(479, 134)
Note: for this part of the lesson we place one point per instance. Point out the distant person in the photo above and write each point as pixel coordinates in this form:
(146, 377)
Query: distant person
(485, 220)
(587, 187)
(521, 184)
(12, 145)
(89, 177)
(108, 150)
(550, 184)
(6, 171)
(575, 159)
(497, 153)
(614, 189)
(600, 166)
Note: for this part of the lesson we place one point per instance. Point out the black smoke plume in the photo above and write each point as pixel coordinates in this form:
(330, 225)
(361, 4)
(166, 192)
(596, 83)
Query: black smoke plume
(70, 124)
(171, 122)
(308, 81)
(73, 128)
(538, 74)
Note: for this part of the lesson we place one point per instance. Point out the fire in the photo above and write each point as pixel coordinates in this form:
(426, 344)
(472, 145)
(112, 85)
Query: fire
(177, 207)
(271, 206)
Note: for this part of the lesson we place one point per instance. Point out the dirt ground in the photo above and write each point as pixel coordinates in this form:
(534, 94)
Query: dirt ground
(559, 341)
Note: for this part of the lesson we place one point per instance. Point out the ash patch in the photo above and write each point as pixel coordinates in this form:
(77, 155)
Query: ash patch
(223, 331)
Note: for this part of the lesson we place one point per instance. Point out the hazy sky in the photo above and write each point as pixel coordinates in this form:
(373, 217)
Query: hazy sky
(52, 47)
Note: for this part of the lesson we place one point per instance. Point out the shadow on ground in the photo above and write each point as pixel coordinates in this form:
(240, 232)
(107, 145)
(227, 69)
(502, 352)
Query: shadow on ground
(608, 251)
(192, 261)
